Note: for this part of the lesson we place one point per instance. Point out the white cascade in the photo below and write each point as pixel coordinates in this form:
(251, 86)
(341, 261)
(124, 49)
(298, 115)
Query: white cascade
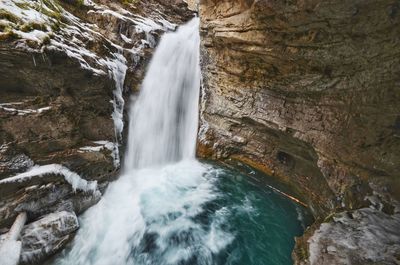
(150, 215)
(163, 120)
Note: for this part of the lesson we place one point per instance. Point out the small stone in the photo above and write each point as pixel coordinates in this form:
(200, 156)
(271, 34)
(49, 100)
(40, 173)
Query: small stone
(331, 249)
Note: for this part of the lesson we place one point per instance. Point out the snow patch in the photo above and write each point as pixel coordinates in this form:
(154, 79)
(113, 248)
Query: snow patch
(21, 112)
(100, 145)
(26, 15)
(72, 178)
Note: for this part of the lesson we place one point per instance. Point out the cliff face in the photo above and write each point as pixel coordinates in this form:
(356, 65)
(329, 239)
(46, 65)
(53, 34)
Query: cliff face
(67, 69)
(307, 91)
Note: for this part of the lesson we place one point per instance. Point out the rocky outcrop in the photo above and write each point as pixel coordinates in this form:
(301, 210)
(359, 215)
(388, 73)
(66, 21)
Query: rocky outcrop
(38, 239)
(368, 235)
(66, 70)
(307, 91)
(364, 236)
(47, 235)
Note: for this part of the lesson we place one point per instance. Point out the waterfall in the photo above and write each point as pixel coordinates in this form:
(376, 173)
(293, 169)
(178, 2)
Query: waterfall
(149, 215)
(163, 119)
(167, 208)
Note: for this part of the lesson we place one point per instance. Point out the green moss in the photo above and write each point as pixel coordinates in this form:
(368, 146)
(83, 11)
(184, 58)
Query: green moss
(79, 2)
(303, 253)
(53, 5)
(4, 14)
(129, 2)
(22, 5)
(8, 35)
(52, 10)
(329, 218)
(48, 8)
(46, 40)
(32, 44)
(5, 27)
(56, 26)
(32, 26)
(53, 14)
(74, 3)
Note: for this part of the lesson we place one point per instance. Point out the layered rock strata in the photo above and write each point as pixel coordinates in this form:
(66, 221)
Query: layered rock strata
(309, 92)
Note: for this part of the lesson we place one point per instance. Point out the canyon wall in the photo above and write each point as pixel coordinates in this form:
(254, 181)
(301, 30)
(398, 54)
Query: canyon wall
(307, 91)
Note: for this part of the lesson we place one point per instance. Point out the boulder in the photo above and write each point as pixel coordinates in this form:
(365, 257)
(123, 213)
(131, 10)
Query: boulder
(47, 235)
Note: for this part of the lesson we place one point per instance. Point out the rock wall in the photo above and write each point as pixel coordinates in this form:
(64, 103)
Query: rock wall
(308, 91)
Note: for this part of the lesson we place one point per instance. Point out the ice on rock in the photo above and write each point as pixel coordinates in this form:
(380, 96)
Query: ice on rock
(117, 70)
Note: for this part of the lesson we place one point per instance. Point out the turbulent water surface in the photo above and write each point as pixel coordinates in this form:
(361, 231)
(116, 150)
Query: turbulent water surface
(169, 208)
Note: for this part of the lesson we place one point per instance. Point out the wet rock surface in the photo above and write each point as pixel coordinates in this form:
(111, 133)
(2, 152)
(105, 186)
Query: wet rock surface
(306, 91)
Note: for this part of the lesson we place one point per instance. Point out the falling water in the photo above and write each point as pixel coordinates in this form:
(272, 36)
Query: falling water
(163, 123)
(167, 208)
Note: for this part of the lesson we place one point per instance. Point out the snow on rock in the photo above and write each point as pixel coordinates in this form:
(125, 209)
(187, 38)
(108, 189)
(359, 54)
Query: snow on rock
(55, 29)
(72, 178)
(142, 24)
(101, 145)
(60, 29)
(46, 236)
(91, 148)
(21, 112)
(27, 15)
